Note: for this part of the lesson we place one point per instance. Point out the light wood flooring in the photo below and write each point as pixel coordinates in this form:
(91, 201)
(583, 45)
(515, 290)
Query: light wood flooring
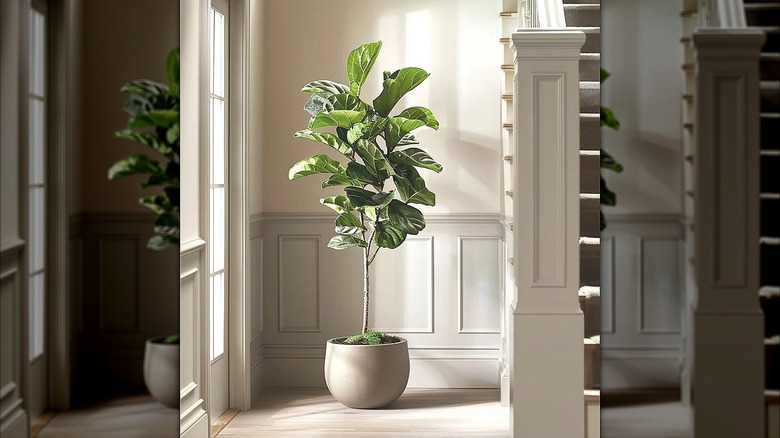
(128, 417)
(309, 412)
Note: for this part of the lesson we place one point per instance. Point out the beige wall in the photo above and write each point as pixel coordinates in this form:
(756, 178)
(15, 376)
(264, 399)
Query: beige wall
(121, 40)
(455, 40)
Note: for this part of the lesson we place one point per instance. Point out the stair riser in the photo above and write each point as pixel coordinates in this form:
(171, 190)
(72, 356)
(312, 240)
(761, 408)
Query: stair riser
(590, 100)
(592, 366)
(770, 133)
(771, 308)
(582, 16)
(592, 43)
(770, 100)
(589, 174)
(770, 212)
(772, 43)
(763, 16)
(590, 134)
(589, 69)
(770, 260)
(769, 69)
(581, 2)
(770, 170)
(772, 366)
(590, 224)
(590, 264)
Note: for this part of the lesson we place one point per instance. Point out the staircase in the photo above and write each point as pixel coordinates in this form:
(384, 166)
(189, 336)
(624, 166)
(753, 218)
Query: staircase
(583, 15)
(765, 15)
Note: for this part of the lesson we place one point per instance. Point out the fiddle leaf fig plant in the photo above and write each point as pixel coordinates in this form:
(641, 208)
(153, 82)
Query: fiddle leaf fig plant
(377, 148)
(154, 122)
(608, 119)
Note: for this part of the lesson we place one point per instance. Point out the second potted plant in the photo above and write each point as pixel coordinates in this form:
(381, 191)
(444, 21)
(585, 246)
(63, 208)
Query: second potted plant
(370, 369)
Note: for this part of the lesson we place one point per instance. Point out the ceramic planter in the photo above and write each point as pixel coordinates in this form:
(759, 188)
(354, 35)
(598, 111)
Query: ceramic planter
(161, 371)
(366, 376)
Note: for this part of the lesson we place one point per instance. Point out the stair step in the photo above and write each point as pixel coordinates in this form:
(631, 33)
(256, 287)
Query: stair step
(582, 15)
(772, 43)
(770, 260)
(770, 131)
(769, 298)
(770, 96)
(590, 97)
(590, 132)
(590, 261)
(769, 66)
(590, 66)
(770, 169)
(592, 347)
(770, 216)
(590, 172)
(592, 39)
(762, 14)
(590, 304)
(772, 362)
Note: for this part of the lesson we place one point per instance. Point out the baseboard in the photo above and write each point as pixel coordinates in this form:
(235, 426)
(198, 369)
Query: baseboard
(638, 396)
(15, 425)
(198, 429)
(302, 366)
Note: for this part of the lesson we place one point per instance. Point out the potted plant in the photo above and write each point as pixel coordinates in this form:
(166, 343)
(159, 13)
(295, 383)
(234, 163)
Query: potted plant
(370, 369)
(608, 119)
(154, 122)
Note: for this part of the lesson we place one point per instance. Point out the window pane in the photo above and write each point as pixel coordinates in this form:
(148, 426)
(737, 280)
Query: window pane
(37, 306)
(38, 54)
(36, 141)
(217, 315)
(218, 54)
(217, 141)
(217, 229)
(37, 223)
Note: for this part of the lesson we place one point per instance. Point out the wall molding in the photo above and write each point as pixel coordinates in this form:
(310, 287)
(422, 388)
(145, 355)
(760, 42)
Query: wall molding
(11, 245)
(430, 218)
(621, 218)
(191, 246)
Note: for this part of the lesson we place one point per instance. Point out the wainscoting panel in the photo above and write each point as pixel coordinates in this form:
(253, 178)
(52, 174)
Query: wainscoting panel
(440, 291)
(117, 258)
(13, 417)
(642, 301)
(193, 345)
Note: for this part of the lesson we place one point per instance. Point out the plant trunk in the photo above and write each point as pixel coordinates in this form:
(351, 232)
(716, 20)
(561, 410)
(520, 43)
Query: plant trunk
(365, 290)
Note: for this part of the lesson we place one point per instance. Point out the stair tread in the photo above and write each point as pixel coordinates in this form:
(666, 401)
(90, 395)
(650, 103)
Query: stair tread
(769, 291)
(589, 291)
(589, 240)
(771, 241)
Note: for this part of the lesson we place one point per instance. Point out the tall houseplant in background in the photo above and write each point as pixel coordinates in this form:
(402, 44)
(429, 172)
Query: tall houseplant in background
(608, 119)
(154, 122)
(370, 369)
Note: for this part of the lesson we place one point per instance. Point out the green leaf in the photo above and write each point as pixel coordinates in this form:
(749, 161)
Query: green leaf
(173, 134)
(373, 158)
(146, 138)
(360, 197)
(327, 139)
(607, 197)
(411, 187)
(405, 217)
(348, 224)
(145, 88)
(357, 171)
(609, 163)
(421, 113)
(164, 118)
(376, 127)
(166, 224)
(314, 165)
(396, 85)
(359, 63)
(345, 102)
(343, 242)
(340, 204)
(157, 203)
(415, 157)
(355, 132)
(134, 165)
(407, 140)
(172, 70)
(338, 180)
(341, 118)
(316, 103)
(388, 236)
(325, 87)
(398, 128)
(604, 75)
(608, 119)
(159, 243)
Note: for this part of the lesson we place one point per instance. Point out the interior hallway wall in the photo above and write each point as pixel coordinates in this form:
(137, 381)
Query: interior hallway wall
(311, 293)
(641, 278)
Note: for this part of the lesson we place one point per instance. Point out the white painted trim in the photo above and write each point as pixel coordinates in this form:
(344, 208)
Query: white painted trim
(317, 327)
(192, 246)
(11, 245)
(500, 259)
(643, 217)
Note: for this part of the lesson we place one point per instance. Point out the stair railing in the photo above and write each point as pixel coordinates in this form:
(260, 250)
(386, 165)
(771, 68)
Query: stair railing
(544, 14)
(722, 13)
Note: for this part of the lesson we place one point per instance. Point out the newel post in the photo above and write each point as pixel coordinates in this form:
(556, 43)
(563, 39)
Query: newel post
(728, 357)
(547, 366)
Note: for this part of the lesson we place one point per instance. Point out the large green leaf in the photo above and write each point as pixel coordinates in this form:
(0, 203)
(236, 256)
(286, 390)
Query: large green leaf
(348, 224)
(157, 203)
(135, 165)
(315, 164)
(398, 128)
(373, 158)
(608, 119)
(607, 196)
(377, 127)
(341, 118)
(396, 85)
(160, 243)
(340, 204)
(420, 113)
(388, 236)
(360, 197)
(164, 118)
(316, 103)
(326, 87)
(172, 70)
(405, 217)
(415, 157)
(359, 63)
(343, 242)
(145, 88)
(357, 171)
(338, 180)
(328, 139)
(356, 132)
(411, 187)
(146, 138)
(609, 163)
(345, 102)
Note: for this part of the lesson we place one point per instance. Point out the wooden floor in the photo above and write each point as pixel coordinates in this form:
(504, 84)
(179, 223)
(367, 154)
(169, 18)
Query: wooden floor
(646, 420)
(128, 417)
(309, 412)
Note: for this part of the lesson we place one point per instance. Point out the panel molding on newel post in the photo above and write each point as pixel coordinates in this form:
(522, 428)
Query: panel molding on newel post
(547, 370)
(727, 316)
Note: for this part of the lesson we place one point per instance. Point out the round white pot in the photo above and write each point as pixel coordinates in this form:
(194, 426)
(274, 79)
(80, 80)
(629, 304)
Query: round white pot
(161, 371)
(366, 376)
